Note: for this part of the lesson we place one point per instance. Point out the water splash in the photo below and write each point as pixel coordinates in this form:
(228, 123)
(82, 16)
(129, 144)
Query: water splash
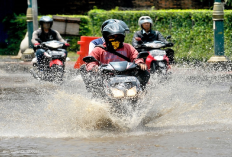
(76, 112)
(191, 99)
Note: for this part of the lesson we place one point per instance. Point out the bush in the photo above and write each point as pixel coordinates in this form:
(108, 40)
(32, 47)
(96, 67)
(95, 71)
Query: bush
(191, 30)
(17, 27)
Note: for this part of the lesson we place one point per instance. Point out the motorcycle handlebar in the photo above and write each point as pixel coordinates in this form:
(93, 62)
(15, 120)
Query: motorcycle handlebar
(169, 44)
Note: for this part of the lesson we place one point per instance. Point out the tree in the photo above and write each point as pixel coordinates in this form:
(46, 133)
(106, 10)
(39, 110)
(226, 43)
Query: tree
(227, 2)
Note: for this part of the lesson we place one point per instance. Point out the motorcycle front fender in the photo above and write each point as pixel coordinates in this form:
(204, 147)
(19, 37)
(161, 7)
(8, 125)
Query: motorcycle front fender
(149, 60)
(161, 64)
(55, 61)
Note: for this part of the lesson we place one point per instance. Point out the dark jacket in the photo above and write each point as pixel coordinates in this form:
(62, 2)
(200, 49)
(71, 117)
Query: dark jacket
(153, 35)
(51, 35)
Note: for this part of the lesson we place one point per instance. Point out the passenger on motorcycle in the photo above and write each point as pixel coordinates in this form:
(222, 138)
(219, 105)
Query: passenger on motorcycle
(148, 35)
(45, 33)
(114, 35)
(101, 40)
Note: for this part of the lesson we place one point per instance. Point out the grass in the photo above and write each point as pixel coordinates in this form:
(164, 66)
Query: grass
(73, 56)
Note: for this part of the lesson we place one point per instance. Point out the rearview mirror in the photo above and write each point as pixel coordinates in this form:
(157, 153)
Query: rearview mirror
(168, 37)
(143, 54)
(89, 59)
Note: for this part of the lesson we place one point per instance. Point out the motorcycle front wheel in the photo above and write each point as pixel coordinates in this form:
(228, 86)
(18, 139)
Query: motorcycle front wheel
(57, 72)
(159, 67)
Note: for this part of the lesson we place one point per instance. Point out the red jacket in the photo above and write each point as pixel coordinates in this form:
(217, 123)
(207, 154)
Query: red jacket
(105, 57)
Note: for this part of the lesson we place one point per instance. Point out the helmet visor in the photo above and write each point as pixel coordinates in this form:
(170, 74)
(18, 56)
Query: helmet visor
(115, 41)
(145, 19)
(46, 25)
(115, 37)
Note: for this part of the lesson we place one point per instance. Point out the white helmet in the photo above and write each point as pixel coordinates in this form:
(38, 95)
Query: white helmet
(144, 19)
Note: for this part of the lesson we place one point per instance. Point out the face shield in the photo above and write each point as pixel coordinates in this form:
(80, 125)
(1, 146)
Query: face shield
(115, 41)
(46, 25)
(145, 19)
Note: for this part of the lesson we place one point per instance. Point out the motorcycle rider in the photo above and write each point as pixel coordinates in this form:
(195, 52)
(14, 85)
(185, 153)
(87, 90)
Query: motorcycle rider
(148, 35)
(45, 33)
(101, 40)
(114, 35)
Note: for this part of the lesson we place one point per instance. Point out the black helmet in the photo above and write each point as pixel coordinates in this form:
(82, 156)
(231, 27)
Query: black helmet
(46, 19)
(113, 29)
(109, 21)
(123, 24)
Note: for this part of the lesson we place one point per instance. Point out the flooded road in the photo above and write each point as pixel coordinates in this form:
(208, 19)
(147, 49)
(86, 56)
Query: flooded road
(187, 115)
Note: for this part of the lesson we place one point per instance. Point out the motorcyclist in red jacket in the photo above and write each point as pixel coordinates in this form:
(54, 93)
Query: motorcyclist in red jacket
(114, 35)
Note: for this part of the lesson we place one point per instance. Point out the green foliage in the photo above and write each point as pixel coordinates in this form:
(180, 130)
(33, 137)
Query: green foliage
(191, 30)
(16, 26)
(115, 9)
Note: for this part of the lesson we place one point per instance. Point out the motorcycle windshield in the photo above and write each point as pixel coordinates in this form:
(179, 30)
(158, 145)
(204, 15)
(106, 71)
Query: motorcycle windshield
(155, 44)
(157, 52)
(54, 44)
(119, 66)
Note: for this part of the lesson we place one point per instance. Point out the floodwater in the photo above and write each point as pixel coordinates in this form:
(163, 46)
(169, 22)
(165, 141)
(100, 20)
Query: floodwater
(187, 115)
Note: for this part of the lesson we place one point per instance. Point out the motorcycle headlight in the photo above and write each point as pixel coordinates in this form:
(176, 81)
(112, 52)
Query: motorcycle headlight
(117, 93)
(131, 92)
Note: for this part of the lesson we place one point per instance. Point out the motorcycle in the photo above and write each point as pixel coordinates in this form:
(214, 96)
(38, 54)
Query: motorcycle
(115, 81)
(157, 62)
(53, 63)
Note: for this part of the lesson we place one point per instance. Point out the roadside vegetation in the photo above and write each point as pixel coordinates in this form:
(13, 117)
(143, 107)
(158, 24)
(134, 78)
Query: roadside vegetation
(191, 30)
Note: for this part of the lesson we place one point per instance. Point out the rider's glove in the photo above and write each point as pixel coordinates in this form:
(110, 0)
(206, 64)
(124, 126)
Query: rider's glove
(142, 66)
(138, 39)
(95, 69)
(37, 45)
(169, 44)
(67, 44)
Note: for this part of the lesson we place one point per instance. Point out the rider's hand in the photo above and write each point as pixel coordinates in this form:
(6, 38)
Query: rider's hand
(67, 44)
(95, 68)
(37, 45)
(138, 39)
(142, 66)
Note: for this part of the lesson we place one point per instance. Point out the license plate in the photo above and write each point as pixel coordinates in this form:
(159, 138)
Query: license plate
(56, 56)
